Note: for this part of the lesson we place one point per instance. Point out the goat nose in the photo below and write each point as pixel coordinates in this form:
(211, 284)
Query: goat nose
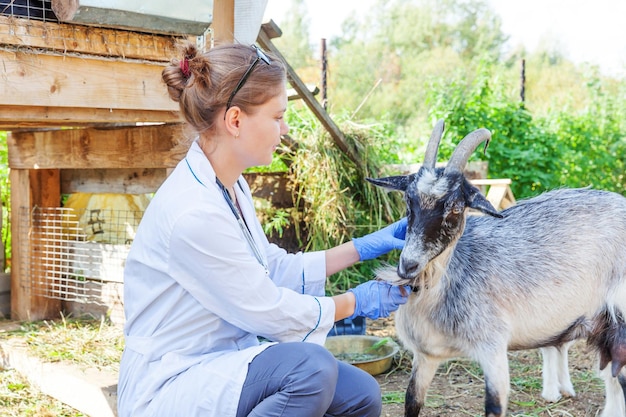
(407, 269)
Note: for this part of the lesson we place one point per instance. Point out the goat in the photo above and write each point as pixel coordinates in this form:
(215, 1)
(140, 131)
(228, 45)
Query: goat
(546, 271)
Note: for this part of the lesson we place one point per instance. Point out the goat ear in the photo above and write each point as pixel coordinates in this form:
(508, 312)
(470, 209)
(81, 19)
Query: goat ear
(398, 182)
(478, 201)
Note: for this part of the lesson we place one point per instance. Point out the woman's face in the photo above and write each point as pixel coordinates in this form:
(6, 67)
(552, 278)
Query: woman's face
(261, 130)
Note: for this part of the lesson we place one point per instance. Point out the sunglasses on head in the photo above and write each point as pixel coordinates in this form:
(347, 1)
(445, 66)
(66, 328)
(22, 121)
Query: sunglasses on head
(260, 56)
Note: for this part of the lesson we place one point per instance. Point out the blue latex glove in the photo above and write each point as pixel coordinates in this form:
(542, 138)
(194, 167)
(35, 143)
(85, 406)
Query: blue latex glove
(376, 299)
(382, 241)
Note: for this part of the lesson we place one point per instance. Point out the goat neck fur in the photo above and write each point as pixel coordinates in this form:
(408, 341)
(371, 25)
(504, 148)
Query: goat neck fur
(542, 273)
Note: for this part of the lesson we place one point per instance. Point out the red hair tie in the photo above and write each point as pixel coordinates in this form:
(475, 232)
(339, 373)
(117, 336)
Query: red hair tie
(184, 67)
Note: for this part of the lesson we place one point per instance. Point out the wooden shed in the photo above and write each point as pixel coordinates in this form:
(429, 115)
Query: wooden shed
(82, 100)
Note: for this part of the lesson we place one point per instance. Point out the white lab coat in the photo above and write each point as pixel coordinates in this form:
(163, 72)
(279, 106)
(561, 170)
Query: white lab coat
(196, 298)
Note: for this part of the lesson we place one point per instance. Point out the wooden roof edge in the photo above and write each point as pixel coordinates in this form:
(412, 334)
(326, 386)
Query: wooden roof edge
(89, 40)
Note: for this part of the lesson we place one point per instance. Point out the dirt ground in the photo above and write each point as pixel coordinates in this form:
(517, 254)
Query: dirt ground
(458, 387)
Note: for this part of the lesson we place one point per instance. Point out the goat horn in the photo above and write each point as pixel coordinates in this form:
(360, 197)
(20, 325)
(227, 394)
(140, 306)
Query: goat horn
(430, 157)
(465, 148)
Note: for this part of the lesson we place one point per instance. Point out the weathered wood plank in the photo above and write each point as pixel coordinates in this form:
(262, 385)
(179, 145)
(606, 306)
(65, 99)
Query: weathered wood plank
(224, 21)
(90, 390)
(87, 39)
(159, 146)
(27, 303)
(121, 181)
(271, 29)
(192, 17)
(292, 94)
(5, 295)
(20, 200)
(45, 187)
(14, 117)
(32, 79)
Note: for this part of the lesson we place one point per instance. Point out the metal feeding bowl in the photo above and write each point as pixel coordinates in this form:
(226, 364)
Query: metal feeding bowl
(370, 353)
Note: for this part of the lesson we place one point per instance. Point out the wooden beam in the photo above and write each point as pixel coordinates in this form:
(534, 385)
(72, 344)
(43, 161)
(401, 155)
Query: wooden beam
(491, 181)
(223, 21)
(45, 187)
(14, 117)
(292, 94)
(120, 181)
(271, 29)
(20, 245)
(89, 40)
(29, 189)
(32, 79)
(319, 112)
(133, 147)
(191, 18)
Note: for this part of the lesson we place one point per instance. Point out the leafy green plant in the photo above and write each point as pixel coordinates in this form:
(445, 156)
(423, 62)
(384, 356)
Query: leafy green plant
(279, 219)
(538, 154)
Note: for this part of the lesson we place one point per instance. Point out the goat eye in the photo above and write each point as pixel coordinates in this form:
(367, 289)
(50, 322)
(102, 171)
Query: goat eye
(455, 210)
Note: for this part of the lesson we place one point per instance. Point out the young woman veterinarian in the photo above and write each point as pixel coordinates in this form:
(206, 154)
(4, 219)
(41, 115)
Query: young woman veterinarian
(203, 284)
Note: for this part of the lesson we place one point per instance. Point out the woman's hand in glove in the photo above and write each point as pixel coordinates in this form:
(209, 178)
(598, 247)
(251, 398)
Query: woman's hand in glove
(382, 241)
(375, 299)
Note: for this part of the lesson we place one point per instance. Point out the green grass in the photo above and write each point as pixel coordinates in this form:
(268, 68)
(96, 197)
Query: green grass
(393, 397)
(85, 342)
(19, 399)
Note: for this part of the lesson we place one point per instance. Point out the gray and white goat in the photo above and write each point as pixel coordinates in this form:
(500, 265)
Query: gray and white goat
(541, 273)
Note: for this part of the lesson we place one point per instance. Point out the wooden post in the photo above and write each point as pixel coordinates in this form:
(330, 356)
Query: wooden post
(324, 72)
(522, 92)
(30, 188)
(223, 21)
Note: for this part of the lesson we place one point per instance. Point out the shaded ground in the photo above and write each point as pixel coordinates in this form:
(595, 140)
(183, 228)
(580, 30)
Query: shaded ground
(458, 387)
(457, 390)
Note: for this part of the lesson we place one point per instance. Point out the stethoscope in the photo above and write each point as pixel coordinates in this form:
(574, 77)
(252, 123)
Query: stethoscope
(242, 224)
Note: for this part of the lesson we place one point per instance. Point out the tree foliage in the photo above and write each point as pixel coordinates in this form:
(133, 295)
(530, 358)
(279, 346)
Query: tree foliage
(409, 62)
(294, 43)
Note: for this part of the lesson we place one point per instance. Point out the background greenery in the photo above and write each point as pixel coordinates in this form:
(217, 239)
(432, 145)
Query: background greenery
(397, 69)
(406, 63)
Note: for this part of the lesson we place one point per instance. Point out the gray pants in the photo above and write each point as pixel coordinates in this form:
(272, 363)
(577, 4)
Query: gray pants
(305, 380)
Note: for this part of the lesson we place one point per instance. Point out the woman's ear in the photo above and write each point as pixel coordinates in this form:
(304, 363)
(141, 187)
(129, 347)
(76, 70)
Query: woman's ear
(232, 120)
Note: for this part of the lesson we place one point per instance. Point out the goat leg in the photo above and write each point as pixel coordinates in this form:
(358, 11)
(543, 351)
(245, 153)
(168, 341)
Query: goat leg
(495, 366)
(614, 402)
(422, 375)
(555, 373)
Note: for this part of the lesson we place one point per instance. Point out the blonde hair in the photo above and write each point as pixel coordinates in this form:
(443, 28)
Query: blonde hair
(201, 82)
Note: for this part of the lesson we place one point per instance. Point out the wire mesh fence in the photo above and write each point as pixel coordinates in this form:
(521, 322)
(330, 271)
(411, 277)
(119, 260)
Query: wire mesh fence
(76, 255)
(29, 9)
